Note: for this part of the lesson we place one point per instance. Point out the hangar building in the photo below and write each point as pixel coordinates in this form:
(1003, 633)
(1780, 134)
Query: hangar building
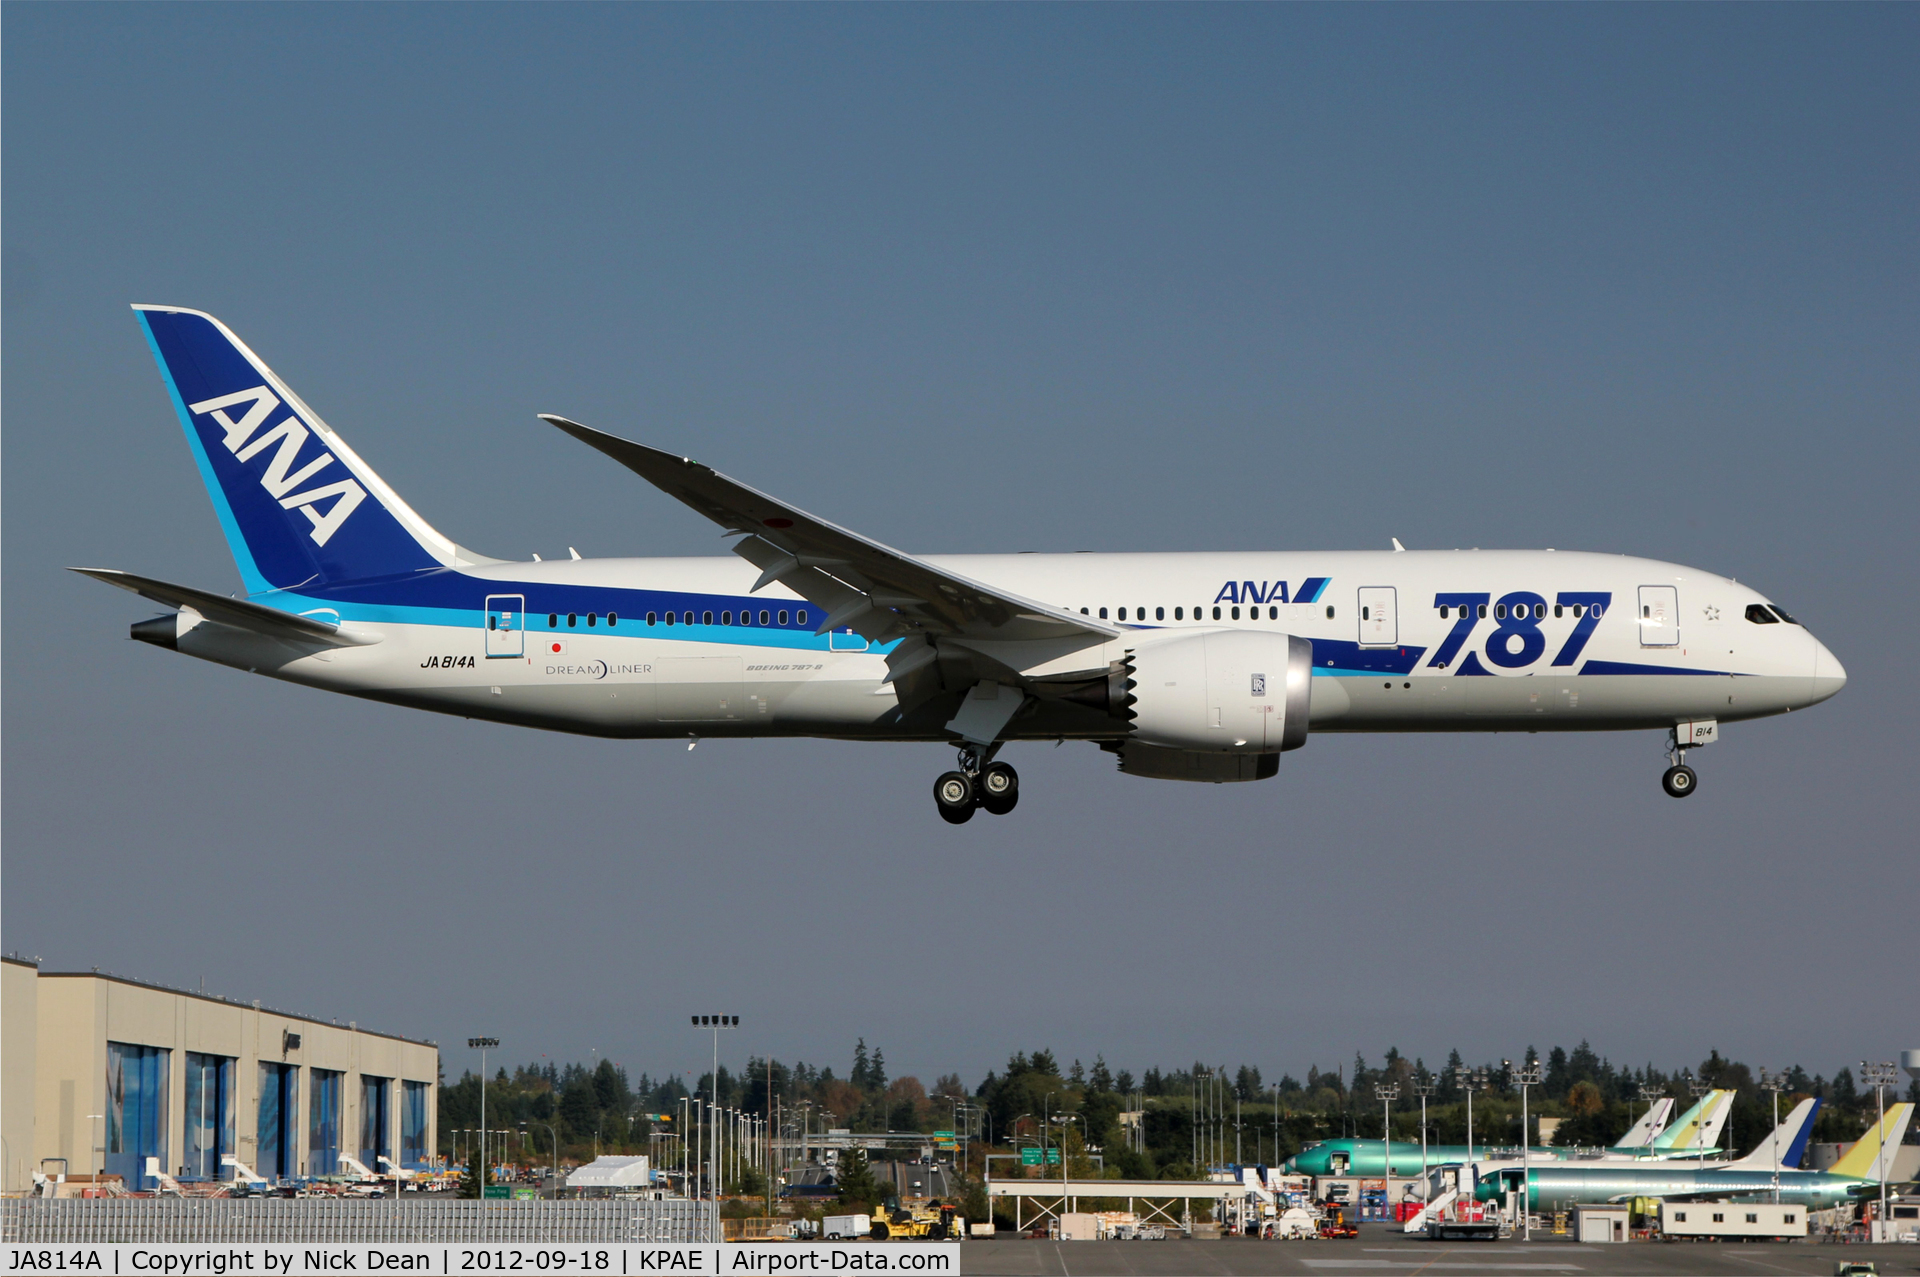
(102, 1072)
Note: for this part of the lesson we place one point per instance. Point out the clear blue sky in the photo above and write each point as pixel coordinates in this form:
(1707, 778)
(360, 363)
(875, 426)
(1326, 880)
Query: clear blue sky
(1629, 278)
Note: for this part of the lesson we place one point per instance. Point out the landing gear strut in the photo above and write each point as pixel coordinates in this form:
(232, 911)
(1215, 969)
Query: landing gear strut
(980, 782)
(1679, 779)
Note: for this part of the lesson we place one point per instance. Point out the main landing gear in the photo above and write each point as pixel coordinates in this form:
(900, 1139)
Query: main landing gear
(978, 783)
(1679, 779)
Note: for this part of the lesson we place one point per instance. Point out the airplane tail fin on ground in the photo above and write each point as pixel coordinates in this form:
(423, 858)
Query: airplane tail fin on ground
(1651, 1124)
(1864, 1160)
(1699, 1127)
(297, 505)
(1787, 1143)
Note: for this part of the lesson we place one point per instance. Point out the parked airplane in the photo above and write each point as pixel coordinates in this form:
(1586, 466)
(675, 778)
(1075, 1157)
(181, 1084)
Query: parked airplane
(1203, 667)
(1557, 1185)
(1691, 1136)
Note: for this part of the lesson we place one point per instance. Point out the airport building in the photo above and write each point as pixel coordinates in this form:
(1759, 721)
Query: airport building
(102, 1072)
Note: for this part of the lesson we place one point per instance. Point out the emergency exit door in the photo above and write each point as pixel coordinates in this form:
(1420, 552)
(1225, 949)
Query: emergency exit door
(1659, 616)
(1379, 622)
(506, 624)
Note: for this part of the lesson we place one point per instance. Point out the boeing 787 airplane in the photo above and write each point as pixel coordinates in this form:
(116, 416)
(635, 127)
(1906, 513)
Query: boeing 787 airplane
(1185, 666)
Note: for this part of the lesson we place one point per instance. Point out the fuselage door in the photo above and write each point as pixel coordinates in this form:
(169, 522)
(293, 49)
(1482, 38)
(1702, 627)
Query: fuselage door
(1379, 622)
(1659, 616)
(506, 624)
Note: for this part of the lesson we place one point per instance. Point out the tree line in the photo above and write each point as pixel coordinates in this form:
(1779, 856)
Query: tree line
(1165, 1123)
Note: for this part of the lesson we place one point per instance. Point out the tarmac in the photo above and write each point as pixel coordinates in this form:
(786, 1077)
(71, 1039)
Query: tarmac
(1382, 1251)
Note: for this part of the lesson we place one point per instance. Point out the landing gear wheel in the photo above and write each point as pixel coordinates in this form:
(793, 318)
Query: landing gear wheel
(999, 788)
(1679, 781)
(955, 796)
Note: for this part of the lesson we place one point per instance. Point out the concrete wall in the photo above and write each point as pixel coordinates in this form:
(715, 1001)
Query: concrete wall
(19, 1030)
(78, 1013)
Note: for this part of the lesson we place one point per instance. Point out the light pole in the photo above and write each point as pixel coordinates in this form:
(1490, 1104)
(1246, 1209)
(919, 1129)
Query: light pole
(101, 1147)
(1648, 1094)
(715, 1023)
(1423, 1087)
(483, 1045)
(1526, 1075)
(1771, 1082)
(1880, 1077)
(1470, 1080)
(1063, 1119)
(1699, 1088)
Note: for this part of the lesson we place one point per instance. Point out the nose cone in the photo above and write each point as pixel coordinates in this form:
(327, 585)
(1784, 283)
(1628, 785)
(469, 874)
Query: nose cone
(1829, 676)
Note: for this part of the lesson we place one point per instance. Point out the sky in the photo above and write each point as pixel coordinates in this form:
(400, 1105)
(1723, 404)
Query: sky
(1639, 279)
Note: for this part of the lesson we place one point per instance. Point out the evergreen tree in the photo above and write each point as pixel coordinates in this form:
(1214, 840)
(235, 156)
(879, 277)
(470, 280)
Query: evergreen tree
(855, 1180)
(1077, 1075)
(1100, 1078)
(877, 1071)
(859, 1077)
(1124, 1083)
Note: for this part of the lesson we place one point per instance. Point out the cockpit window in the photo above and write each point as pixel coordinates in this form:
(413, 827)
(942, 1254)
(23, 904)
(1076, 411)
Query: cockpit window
(1758, 614)
(1782, 614)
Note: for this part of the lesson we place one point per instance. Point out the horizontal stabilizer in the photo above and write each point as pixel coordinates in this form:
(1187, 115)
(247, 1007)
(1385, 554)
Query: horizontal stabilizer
(267, 621)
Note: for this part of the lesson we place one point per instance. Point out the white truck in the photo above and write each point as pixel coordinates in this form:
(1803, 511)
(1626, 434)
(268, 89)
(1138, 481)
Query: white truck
(846, 1228)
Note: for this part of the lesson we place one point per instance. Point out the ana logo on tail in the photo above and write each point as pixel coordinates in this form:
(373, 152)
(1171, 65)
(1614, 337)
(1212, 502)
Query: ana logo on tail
(280, 477)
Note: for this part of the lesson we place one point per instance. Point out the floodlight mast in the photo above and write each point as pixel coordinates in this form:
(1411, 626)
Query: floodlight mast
(1526, 1075)
(711, 1147)
(1423, 1087)
(1880, 1077)
(1772, 1082)
(1698, 1087)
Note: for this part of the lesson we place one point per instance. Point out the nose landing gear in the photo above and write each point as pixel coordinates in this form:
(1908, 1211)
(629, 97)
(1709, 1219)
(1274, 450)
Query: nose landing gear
(978, 783)
(1679, 779)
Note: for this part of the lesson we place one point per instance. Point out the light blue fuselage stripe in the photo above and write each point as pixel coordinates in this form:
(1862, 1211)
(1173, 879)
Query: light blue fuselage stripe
(250, 575)
(634, 628)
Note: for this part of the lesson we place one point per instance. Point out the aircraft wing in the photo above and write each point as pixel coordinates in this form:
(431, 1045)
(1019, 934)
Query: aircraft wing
(238, 613)
(878, 592)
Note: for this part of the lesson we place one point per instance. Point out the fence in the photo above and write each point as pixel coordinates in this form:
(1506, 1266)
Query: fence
(316, 1220)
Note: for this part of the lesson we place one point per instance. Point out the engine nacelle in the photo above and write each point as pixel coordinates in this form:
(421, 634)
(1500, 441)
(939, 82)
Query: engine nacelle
(1221, 691)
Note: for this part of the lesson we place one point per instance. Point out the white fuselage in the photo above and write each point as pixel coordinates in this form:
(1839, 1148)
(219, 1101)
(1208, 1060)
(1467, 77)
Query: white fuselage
(1671, 644)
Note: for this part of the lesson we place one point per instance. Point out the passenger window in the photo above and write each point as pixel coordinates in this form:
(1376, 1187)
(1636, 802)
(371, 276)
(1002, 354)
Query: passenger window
(1556, 611)
(766, 617)
(1236, 614)
(1329, 611)
(593, 619)
(783, 616)
(1482, 613)
(670, 618)
(1179, 614)
(1443, 614)
(1122, 614)
(493, 622)
(726, 618)
(1103, 614)
(1083, 611)
(573, 619)
(686, 618)
(651, 617)
(1782, 614)
(1365, 613)
(1216, 613)
(1159, 614)
(1499, 611)
(613, 619)
(1539, 611)
(706, 618)
(800, 617)
(553, 620)
(1577, 609)
(1273, 614)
